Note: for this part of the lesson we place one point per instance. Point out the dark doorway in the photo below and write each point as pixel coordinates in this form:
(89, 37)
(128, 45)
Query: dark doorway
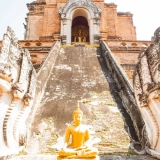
(80, 29)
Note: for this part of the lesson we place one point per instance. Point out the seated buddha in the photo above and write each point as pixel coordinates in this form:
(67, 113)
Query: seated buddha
(80, 146)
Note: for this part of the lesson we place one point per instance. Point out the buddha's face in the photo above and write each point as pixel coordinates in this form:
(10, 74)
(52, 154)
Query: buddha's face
(77, 118)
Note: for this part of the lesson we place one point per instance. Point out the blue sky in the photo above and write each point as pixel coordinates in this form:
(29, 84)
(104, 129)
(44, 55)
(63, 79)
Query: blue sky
(13, 13)
(146, 15)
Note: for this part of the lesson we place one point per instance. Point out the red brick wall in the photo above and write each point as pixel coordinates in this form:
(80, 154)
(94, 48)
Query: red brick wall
(109, 20)
(126, 30)
(51, 21)
(48, 22)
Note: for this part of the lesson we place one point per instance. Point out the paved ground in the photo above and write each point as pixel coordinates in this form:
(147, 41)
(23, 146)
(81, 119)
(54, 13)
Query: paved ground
(105, 157)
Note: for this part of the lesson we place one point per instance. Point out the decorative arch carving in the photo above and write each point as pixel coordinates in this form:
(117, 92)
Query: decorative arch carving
(87, 4)
(92, 14)
(147, 92)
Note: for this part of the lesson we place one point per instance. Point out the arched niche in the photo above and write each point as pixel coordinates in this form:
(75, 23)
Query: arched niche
(79, 12)
(80, 29)
(86, 9)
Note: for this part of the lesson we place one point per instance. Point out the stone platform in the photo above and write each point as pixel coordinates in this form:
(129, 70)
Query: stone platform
(78, 158)
(105, 157)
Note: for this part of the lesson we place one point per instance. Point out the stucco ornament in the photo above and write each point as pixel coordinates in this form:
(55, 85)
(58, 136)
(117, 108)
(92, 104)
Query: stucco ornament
(157, 35)
(88, 4)
(88, 8)
(147, 89)
(17, 90)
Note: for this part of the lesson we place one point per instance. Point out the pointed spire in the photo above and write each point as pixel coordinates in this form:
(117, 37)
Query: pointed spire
(77, 110)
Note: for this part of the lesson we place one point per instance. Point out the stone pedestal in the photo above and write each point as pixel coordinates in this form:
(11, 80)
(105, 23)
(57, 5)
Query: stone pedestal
(77, 158)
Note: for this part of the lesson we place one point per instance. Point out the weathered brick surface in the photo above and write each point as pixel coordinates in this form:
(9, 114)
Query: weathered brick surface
(109, 20)
(35, 27)
(39, 30)
(44, 23)
(51, 21)
(126, 58)
(44, 20)
(125, 27)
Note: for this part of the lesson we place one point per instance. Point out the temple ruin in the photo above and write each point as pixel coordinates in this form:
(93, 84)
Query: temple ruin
(77, 50)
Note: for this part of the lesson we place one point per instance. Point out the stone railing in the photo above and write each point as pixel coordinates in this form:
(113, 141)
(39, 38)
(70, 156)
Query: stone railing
(147, 92)
(43, 75)
(122, 91)
(17, 90)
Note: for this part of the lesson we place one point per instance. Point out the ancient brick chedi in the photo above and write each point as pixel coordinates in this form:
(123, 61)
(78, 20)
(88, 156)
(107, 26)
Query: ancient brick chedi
(86, 21)
(52, 19)
(61, 36)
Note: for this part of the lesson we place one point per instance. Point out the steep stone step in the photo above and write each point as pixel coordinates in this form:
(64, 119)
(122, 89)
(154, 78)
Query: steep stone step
(77, 76)
(101, 157)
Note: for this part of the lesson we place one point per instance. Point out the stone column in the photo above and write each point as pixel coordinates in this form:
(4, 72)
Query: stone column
(68, 31)
(91, 31)
(63, 30)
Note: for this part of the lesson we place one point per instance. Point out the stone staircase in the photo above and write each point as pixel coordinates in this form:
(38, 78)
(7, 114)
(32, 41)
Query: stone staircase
(77, 76)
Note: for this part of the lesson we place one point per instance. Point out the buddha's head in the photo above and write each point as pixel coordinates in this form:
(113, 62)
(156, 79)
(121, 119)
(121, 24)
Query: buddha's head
(77, 115)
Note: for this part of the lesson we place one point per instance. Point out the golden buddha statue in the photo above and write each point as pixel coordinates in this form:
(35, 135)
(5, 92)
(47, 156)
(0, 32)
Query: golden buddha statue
(80, 146)
(79, 35)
